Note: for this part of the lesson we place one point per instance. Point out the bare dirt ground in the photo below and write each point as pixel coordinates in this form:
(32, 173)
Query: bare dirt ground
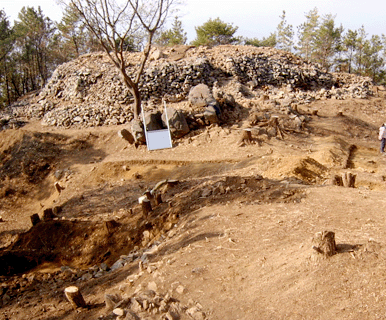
(232, 238)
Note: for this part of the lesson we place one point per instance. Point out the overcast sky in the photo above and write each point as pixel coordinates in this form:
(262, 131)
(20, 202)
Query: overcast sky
(254, 18)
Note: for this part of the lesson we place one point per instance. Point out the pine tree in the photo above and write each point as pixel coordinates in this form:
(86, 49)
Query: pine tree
(265, 42)
(327, 42)
(6, 42)
(174, 36)
(215, 32)
(307, 35)
(349, 47)
(285, 34)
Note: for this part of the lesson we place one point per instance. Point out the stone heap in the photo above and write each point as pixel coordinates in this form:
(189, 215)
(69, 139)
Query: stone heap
(88, 91)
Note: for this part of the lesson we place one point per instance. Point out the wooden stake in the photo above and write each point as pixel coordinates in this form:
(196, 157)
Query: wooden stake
(75, 297)
(146, 207)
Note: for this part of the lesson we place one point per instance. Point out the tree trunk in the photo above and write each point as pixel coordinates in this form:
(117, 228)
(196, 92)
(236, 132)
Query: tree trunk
(75, 297)
(134, 90)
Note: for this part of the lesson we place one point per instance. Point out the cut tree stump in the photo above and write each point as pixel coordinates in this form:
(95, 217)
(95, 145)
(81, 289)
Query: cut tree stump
(111, 225)
(48, 214)
(348, 179)
(146, 207)
(35, 219)
(158, 199)
(324, 243)
(245, 138)
(74, 296)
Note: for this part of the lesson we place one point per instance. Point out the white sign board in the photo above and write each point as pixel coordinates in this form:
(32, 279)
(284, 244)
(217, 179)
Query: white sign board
(158, 139)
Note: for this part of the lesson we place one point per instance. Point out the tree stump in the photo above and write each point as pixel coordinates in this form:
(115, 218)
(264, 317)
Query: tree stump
(245, 138)
(337, 181)
(35, 219)
(158, 199)
(75, 297)
(146, 207)
(324, 243)
(274, 123)
(48, 214)
(348, 179)
(111, 225)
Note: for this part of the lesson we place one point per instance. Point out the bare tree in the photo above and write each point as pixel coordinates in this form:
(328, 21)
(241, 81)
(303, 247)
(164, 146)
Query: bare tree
(116, 22)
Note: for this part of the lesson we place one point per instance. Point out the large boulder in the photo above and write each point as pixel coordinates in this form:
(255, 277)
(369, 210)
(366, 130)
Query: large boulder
(153, 121)
(212, 113)
(177, 122)
(200, 96)
(137, 131)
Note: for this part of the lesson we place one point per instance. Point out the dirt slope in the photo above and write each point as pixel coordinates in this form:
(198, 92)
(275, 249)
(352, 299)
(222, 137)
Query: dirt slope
(232, 238)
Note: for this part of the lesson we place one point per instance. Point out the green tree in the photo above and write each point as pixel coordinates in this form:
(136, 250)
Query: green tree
(372, 57)
(215, 32)
(265, 42)
(327, 43)
(174, 36)
(6, 42)
(285, 34)
(349, 47)
(359, 54)
(33, 35)
(74, 37)
(307, 35)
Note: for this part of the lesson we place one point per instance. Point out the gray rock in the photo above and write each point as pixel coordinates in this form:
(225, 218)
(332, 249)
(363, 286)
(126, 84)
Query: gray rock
(211, 114)
(200, 96)
(177, 122)
(153, 121)
(137, 131)
(118, 264)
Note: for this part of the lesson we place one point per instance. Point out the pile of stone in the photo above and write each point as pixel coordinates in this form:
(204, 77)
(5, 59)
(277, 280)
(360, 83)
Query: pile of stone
(88, 91)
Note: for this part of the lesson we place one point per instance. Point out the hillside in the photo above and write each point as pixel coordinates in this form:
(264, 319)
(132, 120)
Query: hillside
(232, 238)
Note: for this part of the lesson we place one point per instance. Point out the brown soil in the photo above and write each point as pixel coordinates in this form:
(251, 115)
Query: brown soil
(234, 230)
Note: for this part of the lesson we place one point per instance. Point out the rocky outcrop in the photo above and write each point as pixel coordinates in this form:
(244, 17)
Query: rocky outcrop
(88, 91)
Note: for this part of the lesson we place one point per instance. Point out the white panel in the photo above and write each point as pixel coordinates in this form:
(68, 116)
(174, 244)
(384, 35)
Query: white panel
(158, 139)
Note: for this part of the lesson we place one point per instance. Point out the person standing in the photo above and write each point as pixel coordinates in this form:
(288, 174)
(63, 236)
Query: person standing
(382, 137)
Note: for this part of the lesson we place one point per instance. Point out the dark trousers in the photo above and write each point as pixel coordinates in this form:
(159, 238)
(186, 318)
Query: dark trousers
(383, 143)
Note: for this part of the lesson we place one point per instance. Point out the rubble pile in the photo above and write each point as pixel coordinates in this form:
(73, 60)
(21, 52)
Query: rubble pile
(88, 91)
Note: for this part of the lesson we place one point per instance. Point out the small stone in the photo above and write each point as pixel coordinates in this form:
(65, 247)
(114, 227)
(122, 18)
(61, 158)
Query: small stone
(86, 276)
(196, 313)
(118, 264)
(170, 315)
(180, 289)
(152, 286)
(6, 299)
(104, 267)
(119, 312)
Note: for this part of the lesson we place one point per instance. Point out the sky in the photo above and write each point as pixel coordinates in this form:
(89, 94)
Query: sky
(254, 18)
